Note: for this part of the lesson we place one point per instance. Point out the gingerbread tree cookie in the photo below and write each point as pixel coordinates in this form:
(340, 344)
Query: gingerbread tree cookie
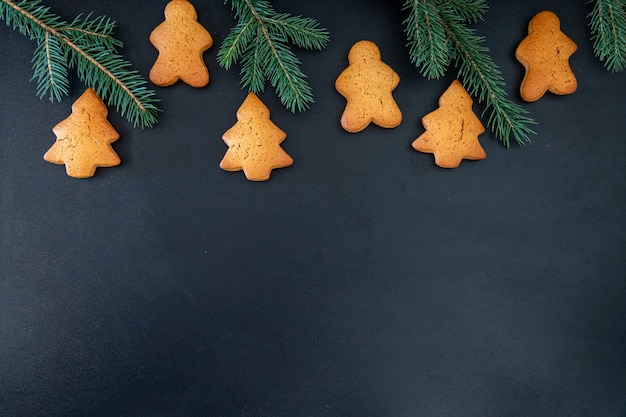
(181, 41)
(84, 139)
(254, 142)
(452, 130)
(545, 53)
(367, 84)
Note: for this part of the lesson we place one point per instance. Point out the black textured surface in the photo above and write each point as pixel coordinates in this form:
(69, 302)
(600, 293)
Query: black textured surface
(362, 281)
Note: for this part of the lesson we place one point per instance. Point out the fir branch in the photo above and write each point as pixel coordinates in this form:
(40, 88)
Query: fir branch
(236, 43)
(303, 32)
(607, 21)
(97, 30)
(259, 40)
(438, 25)
(252, 71)
(427, 41)
(50, 68)
(86, 44)
(469, 10)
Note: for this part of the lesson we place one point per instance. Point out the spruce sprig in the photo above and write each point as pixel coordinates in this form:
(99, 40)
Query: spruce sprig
(437, 34)
(86, 43)
(427, 39)
(607, 21)
(470, 11)
(260, 40)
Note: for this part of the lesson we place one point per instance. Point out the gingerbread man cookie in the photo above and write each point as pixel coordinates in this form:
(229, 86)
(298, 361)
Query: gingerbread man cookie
(367, 84)
(254, 142)
(545, 53)
(181, 41)
(452, 130)
(84, 139)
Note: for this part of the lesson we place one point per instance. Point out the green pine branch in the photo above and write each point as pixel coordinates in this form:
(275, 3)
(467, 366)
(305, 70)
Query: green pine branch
(260, 41)
(437, 34)
(470, 11)
(428, 45)
(87, 44)
(607, 21)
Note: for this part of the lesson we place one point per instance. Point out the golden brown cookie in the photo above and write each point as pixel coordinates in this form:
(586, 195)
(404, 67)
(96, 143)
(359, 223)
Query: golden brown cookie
(254, 142)
(367, 84)
(452, 130)
(181, 41)
(545, 53)
(84, 138)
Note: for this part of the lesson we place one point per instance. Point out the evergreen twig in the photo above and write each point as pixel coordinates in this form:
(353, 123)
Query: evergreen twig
(470, 11)
(259, 40)
(87, 44)
(607, 21)
(437, 34)
(427, 41)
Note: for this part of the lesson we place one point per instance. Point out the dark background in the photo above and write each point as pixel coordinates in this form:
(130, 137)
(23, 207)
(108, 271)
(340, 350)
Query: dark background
(362, 281)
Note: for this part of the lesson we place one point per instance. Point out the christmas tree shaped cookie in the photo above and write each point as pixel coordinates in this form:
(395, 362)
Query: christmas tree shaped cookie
(254, 142)
(367, 84)
(545, 55)
(452, 130)
(181, 40)
(84, 138)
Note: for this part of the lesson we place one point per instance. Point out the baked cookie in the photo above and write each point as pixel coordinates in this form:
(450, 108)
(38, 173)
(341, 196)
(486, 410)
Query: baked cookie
(254, 142)
(452, 130)
(84, 138)
(545, 53)
(181, 41)
(367, 84)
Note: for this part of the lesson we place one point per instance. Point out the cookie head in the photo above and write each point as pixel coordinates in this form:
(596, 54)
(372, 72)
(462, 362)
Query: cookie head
(364, 51)
(180, 10)
(545, 21)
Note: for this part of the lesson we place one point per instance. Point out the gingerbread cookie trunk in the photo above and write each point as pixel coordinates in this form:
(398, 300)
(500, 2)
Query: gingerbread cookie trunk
(367, 84)
(84, 139)
(452, 130)
(545, 53)
(181, 41)
(254, 142)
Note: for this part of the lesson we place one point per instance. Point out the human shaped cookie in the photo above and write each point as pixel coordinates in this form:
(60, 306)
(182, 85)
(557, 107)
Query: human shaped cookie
(181, 41)
(367, 84)
(545, 55)
(254, 142)
(84, 138)
(452, 130)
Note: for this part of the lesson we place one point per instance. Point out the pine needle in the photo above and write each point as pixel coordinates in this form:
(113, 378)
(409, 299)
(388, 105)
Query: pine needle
(259, 40)
(607, 21)
(86, 44)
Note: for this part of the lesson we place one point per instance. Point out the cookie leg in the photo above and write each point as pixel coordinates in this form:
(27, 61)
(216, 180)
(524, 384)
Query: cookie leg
(162, 74)
(391, 117)
(354, 118)
(566, 83)
(534, 86)
(199, 77)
